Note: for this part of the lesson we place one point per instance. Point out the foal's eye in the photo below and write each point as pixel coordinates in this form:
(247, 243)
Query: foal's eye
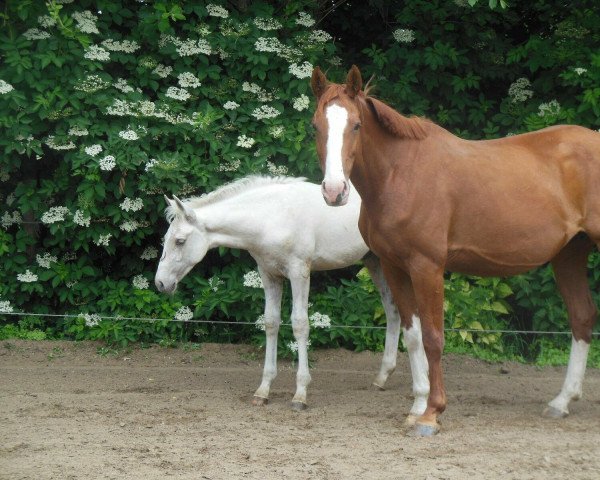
(357, 127)
(180, 241)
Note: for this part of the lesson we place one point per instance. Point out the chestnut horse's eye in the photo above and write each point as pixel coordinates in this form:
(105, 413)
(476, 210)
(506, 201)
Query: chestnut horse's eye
(357, 127)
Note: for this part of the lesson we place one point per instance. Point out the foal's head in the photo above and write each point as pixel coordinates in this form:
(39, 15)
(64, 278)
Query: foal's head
(185, 244)
(337, 121)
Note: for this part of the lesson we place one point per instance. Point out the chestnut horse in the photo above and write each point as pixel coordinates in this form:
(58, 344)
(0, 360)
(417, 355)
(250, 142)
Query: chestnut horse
(434, 202)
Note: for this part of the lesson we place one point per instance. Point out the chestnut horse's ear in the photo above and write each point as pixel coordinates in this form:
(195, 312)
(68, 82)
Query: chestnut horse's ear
(318, 82)
(353, 82)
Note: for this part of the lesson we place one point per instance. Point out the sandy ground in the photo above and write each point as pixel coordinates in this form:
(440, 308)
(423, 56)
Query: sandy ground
(68, 413)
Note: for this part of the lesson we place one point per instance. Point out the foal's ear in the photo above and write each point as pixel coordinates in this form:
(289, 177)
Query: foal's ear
(168, 200)
(353, 82)
(318, 82)
(188, 213)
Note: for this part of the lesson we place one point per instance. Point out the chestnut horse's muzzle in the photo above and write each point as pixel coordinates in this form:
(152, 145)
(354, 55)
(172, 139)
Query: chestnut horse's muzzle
(335, 193)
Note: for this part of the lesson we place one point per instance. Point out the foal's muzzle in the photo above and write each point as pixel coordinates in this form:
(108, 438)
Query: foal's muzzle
(165, 287)
(335, 193)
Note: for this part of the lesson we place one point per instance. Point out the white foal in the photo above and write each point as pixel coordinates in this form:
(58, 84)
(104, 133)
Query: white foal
(287, 228)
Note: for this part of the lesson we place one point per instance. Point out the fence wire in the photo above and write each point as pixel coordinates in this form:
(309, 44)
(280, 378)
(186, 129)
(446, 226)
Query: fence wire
(226, 322)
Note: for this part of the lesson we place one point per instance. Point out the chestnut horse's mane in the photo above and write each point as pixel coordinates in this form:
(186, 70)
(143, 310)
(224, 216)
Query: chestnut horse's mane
(393, 122)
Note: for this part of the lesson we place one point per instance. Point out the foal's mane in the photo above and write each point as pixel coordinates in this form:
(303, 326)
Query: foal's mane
(392, 121)
(229, 190)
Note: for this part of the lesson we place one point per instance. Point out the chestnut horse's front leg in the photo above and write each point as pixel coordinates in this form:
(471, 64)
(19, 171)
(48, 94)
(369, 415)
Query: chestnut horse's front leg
(428, 284)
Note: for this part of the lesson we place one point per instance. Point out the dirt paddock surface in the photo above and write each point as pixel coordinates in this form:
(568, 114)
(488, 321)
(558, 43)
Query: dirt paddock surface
(69, 413)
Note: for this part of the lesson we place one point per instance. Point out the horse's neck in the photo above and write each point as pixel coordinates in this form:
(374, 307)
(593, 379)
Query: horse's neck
(231, 224)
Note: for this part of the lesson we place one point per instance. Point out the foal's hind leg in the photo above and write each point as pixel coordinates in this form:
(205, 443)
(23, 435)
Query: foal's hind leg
(570, 270)
(392, 333)
(273, 288)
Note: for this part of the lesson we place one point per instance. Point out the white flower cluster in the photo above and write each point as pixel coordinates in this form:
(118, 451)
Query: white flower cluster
(36, 34)
(301, 103)
(303, 70)
(252, 279)
(551, 108)
(146, 108)
(93, 150)
(46, 21)
(9, 220)
(260, 322)
(126, 46)
(78, 131)
(103, 240)
(184, 314)
(305, 20)
(27, 277)
(150, 163)
(217, 11)
(319, 36)
(214, 283)
(6, 307)
(231, 105)
(86, 21)
(404, 35)
(265, 111)
(45, 260)
(149, 253)
(129, 226)
(245, 142)
(319, 320)
(92, 83)
(80, 219)
(261, 94)
(140, 282)
(519, 90)
(188, 47)
(59, 146)
(178, 93)
(267, 24)
(268, 44)
(121, 84)
(96, 52)
(276, 170)
(107, 163)
(276, 131)
(55, 214)
(5, 87)
(188, 80)
(91, 320)
(128, 135)
(580, 71)
(293, 346)
(230, 166)
(163, 71)
(129, 205)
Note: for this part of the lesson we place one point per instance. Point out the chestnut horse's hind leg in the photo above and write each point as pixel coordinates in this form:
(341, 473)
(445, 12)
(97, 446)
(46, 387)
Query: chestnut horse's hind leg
(570, 270)
(273, 288)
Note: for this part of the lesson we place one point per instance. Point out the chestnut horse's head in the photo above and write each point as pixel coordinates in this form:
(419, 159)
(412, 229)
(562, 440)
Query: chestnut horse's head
(337, 122)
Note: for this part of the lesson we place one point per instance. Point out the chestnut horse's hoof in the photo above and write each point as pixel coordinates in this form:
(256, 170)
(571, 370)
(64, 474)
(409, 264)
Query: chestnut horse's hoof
(553, 412)
(425, 430)
(298, 406)
(260, 401)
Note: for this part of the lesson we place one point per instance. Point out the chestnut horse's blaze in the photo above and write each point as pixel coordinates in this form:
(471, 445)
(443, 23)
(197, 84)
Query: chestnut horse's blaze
(434, 202)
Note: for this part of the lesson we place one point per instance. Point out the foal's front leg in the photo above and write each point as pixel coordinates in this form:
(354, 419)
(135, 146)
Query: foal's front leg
(300, 282)
(273, 288)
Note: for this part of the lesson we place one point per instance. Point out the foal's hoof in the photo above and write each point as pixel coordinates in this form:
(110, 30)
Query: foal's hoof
(553, 412)
(260, 401)
(381, 388)
(425, 430)
(298, 406)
